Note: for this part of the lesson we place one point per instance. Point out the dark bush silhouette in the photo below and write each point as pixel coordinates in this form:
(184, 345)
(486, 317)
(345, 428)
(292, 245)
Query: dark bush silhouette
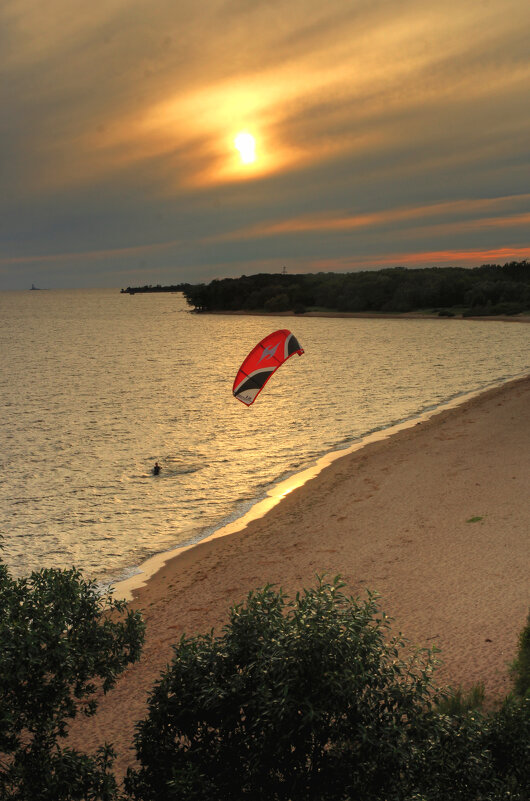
(302, 699)
(58, 639)
(312, 698)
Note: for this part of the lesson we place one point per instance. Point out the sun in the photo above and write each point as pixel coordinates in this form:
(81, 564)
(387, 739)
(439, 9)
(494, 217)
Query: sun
(246, 144)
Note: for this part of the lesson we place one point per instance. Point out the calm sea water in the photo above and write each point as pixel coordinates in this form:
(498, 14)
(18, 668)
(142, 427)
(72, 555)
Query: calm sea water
(96, 386)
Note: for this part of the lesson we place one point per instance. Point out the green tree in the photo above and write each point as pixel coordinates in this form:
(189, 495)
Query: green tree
(482, 289)
(59, 641)
(277, 303)
(470, 756)
(296, 699)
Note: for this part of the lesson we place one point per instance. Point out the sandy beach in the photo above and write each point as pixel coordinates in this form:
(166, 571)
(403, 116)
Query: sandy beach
(371, 315)
(435, 518)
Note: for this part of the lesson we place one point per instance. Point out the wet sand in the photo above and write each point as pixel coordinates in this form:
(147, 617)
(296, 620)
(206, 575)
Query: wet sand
(435, 518)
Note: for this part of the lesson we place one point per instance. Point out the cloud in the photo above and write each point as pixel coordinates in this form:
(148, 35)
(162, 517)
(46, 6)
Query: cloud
(118, 122)
(469, 214)
(470, 257)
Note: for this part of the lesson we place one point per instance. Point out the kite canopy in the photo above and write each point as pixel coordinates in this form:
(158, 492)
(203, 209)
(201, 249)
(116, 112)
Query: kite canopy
(262, 362)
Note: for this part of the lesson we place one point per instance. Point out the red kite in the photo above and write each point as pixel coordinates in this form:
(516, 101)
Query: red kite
(262, 362)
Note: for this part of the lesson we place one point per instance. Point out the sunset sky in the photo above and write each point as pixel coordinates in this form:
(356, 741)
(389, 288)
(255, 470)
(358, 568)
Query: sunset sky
(378, 133)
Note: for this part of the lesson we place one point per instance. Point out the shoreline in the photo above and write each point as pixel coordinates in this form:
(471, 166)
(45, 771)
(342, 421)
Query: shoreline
(434, 518)
(127, 588)
(502, 318)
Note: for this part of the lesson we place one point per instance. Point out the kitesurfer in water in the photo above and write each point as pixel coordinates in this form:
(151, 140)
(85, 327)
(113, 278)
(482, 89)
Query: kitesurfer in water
(156, 469)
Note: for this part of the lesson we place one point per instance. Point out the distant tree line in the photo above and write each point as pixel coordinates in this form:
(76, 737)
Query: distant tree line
(486, 290)
(133, 290)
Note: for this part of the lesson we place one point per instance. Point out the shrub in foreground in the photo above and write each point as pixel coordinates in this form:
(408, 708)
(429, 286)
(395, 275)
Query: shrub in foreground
(59, 640)
(296, 699)
(521, 664)
(475, 757)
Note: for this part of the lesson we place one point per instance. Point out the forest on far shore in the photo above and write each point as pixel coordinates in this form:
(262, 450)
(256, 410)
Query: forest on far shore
(491, 289)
